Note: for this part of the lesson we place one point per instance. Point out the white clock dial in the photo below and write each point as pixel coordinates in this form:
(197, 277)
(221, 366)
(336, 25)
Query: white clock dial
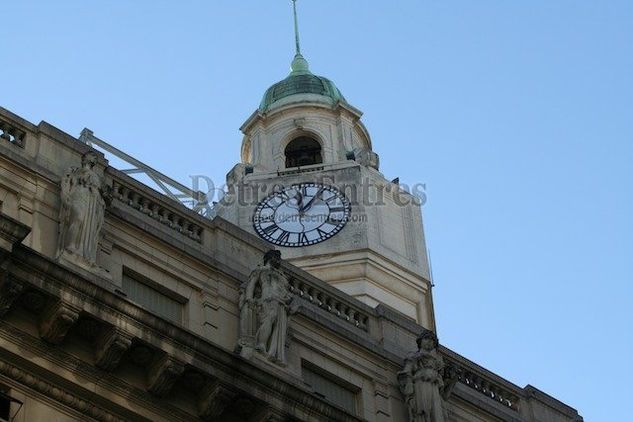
(301, 215)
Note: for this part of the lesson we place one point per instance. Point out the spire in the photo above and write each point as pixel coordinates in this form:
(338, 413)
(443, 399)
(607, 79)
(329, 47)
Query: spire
(299, 65)
(297, 45)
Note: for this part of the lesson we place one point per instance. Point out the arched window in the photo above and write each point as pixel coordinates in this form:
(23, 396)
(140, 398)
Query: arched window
(303, 151)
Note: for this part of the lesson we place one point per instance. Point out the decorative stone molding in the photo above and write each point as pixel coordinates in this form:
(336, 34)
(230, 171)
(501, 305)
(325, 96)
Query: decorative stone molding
(235, 176)
(270, 415)
(110, 348)
(214, 400)
(56, 322)
(82, 369)
(366, 157)
(12, 232)
(306, 169)
(163, 374)
(10, 290)
(56, 393)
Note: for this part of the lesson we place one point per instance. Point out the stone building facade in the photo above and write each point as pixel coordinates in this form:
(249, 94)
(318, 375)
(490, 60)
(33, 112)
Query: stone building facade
(118, 303)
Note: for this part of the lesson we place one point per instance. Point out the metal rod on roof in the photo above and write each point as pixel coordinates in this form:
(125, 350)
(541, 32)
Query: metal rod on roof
(294, 9)
(163, 181)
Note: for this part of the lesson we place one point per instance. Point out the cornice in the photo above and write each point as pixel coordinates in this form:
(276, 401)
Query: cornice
(43, 386)
(259, 380)
(12, 232)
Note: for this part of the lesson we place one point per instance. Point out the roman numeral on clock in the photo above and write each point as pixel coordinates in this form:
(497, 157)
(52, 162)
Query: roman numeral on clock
(333, 220)
(284, 236)
(270, 229)
(329, 198)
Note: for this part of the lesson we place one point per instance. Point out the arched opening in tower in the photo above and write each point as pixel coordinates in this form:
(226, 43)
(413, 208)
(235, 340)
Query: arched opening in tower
(303, 151)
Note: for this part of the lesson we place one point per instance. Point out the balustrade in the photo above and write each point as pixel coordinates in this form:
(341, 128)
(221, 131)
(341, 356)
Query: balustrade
(329, 303)
(159, 212)
(484, 385)
(11, 133)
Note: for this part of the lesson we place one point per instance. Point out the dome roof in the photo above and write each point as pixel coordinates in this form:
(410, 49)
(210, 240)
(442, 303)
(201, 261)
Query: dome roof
(301, 82)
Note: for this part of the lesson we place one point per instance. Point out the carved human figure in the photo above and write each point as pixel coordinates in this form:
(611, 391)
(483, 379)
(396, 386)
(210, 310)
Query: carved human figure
(421, 381)
(264, 307)
(82, 208)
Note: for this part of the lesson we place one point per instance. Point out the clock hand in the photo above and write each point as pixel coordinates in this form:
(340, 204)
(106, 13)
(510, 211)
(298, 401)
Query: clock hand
(298, 197)
(309, 204)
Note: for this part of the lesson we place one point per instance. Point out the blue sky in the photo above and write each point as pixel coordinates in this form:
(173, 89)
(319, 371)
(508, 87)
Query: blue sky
(517, 115)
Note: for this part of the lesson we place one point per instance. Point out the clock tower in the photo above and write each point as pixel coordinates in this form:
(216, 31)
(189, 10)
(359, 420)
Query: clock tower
(309, 184)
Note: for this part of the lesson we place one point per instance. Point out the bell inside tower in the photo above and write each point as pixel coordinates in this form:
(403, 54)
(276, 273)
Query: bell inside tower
(303, 151)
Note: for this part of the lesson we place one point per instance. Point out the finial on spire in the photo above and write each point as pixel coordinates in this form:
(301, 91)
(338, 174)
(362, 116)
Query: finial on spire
(299, 64)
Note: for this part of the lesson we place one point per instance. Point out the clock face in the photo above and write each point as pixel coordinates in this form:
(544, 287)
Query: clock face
(301, 215)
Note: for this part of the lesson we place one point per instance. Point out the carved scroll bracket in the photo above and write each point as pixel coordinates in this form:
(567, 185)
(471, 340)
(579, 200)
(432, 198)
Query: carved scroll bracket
(215, 398)
(10, 290)
(163, 374)
(56, 322)
(110, 348)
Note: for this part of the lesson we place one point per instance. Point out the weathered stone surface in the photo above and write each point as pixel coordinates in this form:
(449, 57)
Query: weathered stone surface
(366, 157)
(215, 398)
(269, 415)
(264, 307)
(12, 232)
(422, 381)
(9, 291)
(110, 348)
(56, 322)
(83, 201)
(163, 374)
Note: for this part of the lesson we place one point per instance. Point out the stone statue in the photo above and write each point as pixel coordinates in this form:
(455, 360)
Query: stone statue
(83, 200)
(422, 381)
(264, 307)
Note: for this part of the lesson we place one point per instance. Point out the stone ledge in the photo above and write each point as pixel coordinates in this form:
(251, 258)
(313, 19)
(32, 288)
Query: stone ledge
(15, 119)
(85, 374)
(12, 232)
(488, 405)
(531, 391)
(173, 239)
(481, 370)
(348, 332)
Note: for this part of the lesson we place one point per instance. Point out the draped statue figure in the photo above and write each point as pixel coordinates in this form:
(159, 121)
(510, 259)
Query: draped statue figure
(83, 201)
(264, 308)
(425, 381)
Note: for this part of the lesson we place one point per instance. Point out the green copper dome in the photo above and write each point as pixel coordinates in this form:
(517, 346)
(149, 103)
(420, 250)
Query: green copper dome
(301, 81)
